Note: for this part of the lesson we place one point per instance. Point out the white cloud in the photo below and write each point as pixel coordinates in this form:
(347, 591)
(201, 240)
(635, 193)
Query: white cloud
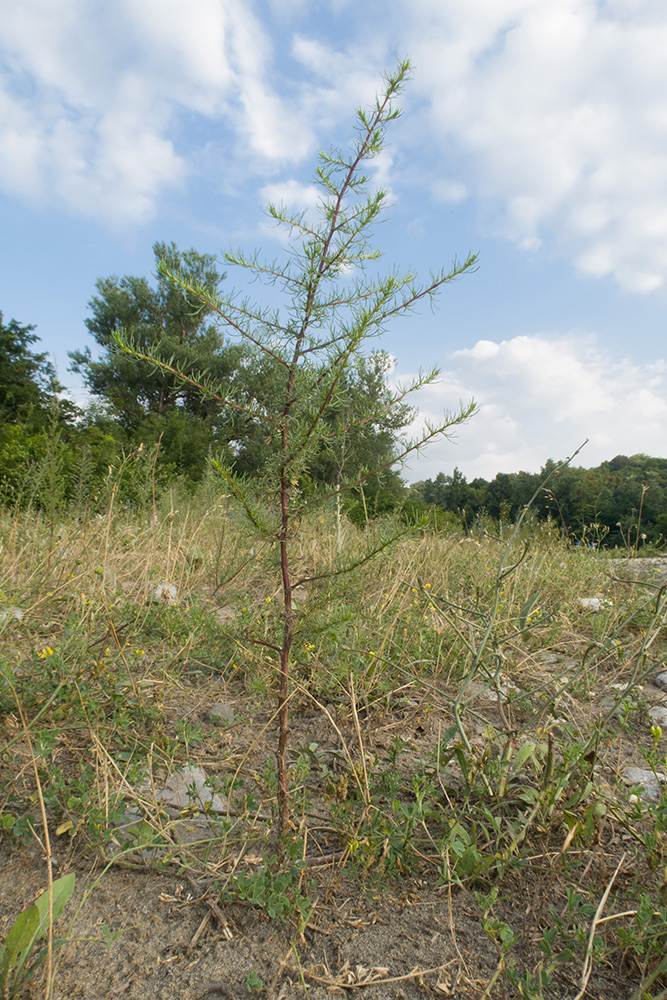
(295, 196)
(551, 115)
(89, 104)
(449, 191)
(558, 111)
(541, 398)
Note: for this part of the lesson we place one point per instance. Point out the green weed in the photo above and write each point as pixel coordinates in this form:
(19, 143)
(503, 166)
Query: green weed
(20, 958)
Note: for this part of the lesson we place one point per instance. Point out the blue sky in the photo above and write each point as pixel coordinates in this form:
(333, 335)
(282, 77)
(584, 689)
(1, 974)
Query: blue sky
(533, 132)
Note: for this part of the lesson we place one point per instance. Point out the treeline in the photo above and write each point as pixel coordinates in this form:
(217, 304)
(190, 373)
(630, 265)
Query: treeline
(148, 426)
(149, 421)
(622, 502)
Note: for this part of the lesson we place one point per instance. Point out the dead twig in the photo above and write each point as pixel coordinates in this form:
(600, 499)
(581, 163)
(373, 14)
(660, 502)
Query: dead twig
(378, 980)
(588, 962)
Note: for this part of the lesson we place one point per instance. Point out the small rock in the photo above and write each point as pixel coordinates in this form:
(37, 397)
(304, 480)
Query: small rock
(648, 781)
(187, 787)
(192, 830)
(592, 603)
(221, 714)
(18, 614)
(658, 715)
(133, 828)
(546, 656)
(661, 680)
(299, 596)
(501, 694)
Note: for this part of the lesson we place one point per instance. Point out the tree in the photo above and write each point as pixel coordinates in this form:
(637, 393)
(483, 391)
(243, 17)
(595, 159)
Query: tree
(27, 380)
(332, 307)
(351, 446)
(35, 424)
(166, 321)
(358, 441)
(169, 323)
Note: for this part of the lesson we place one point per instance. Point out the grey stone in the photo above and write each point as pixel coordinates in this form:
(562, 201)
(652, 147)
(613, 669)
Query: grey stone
(589, 603)
(661, 680)
(187, 788)
(192, 830)
(502, 693)
(299, 596)
(135, 827)
(647, 780)
(12, 615)
(658, 715)
(221, 714)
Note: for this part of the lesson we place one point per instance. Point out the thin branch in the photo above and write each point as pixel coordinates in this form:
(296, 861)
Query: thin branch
(440, 431)
(126, 346)
(357, 563)
(218, 307)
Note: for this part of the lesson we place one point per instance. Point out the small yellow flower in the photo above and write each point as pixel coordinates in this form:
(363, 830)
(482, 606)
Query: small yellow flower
(371, 652)
(426, 586)
(47, 651)
(268, 600)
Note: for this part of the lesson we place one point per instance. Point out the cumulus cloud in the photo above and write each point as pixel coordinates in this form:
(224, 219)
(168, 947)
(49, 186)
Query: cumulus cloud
(558, 113)
(90, 104)
(292, 194)
(552, 116)
(540, 398)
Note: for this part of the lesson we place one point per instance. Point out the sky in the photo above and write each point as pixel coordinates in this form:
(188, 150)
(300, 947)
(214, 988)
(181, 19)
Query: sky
(532, 133)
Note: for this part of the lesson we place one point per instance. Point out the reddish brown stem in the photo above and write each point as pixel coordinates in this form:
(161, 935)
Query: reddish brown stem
(288, 626)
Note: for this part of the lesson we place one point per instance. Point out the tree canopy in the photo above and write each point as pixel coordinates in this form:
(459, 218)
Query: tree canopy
(27, 379)
(611, 504)
(165, 320)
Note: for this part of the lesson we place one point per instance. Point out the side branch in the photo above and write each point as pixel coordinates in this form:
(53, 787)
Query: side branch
(217, 308)
(206, 390)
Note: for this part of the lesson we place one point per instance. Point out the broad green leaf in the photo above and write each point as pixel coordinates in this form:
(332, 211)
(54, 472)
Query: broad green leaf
(63, 888)
(28, 928)
(18, 945)
(523, 753)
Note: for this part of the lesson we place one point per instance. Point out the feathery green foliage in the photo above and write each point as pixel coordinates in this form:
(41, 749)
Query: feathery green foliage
(332, 307)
